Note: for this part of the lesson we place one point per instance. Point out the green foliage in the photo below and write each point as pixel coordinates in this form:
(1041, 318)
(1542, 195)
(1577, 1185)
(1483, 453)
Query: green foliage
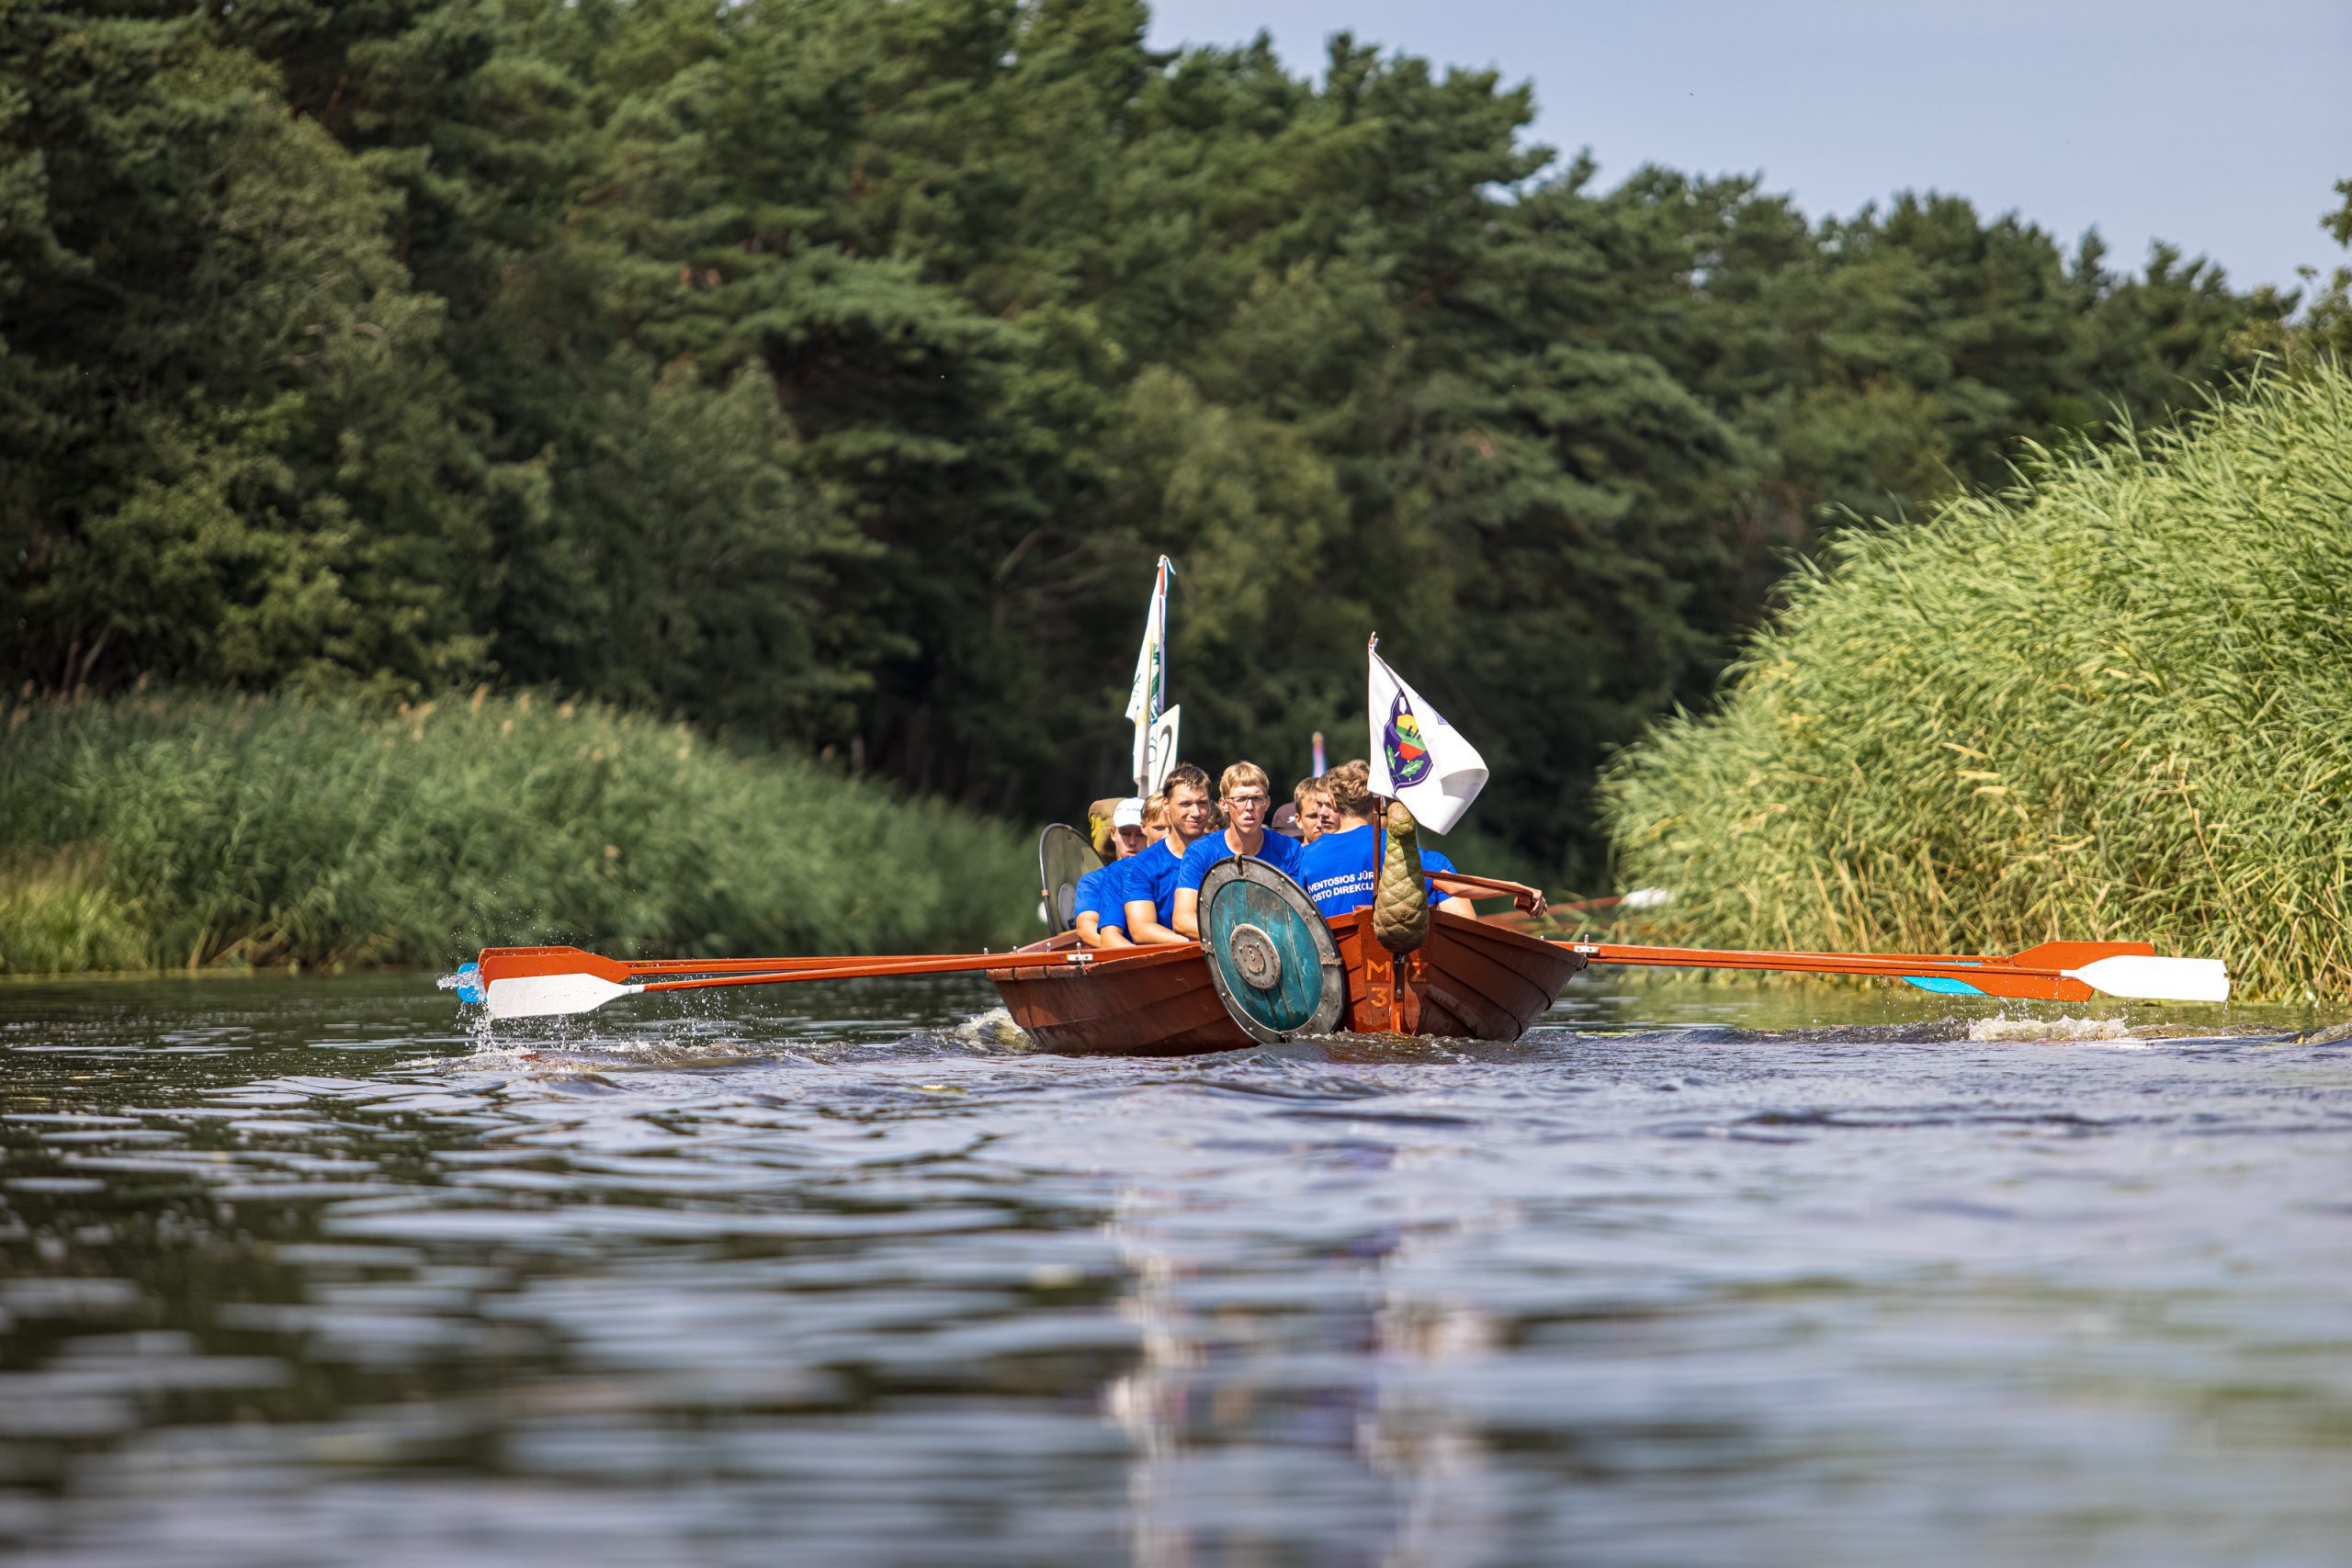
(833, 372)
(2324, 328)
(235, 460)
(59, 916)
(2106, 705)
(206, 831)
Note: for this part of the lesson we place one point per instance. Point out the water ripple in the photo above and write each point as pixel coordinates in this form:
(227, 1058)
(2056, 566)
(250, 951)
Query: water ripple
(302, 1272)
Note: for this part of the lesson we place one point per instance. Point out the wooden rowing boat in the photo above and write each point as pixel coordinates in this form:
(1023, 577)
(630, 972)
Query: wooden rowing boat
(1270, 968)
(1470, 980)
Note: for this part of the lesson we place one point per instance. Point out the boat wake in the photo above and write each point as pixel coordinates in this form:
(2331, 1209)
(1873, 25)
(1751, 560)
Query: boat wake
(991, 1030)
(2069, 1030)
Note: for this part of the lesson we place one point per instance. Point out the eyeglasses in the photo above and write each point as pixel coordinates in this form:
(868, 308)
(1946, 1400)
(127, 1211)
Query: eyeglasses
(1248, 799)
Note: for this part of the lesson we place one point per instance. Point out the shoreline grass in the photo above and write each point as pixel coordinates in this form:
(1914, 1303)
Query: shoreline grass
(2108, 703)
(172, 832)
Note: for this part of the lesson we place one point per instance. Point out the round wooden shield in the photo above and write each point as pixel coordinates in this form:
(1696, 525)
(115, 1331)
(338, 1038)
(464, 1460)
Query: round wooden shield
(1063, 856)
(1271, 955)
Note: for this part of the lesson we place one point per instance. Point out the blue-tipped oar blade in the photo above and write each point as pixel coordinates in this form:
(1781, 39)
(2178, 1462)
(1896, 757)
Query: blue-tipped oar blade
(466, 982)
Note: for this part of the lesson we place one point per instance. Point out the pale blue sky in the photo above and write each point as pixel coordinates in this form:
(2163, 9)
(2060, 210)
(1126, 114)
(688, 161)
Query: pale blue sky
(2218, 127)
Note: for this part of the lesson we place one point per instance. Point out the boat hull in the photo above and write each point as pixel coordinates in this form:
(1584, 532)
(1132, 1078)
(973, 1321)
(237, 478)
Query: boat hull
(1158, 1004)
(1469, 980)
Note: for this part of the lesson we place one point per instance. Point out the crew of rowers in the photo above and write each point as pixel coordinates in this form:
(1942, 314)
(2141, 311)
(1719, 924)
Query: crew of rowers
(1326, 839)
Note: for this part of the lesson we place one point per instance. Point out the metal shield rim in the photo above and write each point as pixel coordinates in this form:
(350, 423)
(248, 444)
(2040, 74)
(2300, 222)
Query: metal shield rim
(1325, 1016)
(1054, 924)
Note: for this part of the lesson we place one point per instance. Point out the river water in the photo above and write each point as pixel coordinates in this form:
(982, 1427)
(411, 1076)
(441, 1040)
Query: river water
(302, 1272)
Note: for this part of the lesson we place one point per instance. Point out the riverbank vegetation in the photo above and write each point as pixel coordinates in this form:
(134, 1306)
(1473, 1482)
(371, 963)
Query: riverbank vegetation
(2107, 701)
(151, 833)
(832, 372)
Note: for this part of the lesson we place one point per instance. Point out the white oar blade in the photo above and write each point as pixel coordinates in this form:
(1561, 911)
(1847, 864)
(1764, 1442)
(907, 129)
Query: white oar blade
(2157, 979)
(551, 996)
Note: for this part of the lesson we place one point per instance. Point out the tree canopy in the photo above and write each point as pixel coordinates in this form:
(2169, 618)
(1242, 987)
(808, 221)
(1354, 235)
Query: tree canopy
(833, 372)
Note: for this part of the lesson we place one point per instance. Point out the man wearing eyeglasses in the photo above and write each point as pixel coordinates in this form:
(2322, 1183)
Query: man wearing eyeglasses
(1245, 795)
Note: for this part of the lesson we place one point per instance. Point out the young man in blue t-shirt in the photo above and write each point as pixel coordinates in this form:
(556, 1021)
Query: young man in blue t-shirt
(1151, 876)
(1341, 870)
(1099, 913)
(1246, 795)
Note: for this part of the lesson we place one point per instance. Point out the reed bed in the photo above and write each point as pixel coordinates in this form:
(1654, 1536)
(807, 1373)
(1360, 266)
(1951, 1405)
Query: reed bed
(164, 832)
(2114, 702)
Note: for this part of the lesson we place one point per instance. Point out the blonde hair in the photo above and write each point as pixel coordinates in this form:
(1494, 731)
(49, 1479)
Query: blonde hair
(1242, 773)
(1308, 787)
(1155, 810)
(1349, 787)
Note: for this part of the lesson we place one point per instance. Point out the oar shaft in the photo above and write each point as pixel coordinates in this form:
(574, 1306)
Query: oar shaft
(1796, 963)
(1483, 883)
(675, 967)
(1742, 958)
(512, 963)
(515, 963)
(1078, 958)
(1992, 977)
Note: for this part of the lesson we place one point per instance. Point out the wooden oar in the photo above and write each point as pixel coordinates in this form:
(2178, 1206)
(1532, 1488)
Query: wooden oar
(2058, 971)
(2201, 980)
(507, 962)
(543, 982)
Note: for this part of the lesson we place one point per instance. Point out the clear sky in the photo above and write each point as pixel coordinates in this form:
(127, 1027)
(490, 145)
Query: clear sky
(2219, 125)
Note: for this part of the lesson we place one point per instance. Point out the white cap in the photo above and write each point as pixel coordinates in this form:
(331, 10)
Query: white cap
(1128, 813)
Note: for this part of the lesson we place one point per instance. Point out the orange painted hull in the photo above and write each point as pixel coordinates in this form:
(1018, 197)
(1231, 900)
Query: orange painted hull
(1469, 981)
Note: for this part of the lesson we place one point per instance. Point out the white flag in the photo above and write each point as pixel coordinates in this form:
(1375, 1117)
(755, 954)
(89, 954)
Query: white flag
(1417, 756)
(1147, 699)
(1160, 758)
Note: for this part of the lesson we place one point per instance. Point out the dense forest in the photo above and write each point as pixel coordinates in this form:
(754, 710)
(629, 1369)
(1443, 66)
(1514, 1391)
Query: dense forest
(830, 373)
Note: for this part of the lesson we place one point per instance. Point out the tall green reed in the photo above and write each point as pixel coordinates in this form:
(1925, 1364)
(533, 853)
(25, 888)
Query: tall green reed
(2114, 702)
(216, 831)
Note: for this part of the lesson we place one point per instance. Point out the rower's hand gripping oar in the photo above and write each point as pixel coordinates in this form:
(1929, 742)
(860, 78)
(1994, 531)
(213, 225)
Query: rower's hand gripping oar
(552, 982)
(2065, 972)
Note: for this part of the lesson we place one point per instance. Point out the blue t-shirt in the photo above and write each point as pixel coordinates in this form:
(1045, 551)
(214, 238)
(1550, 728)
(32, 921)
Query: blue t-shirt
(1152, 874)
(1338, 873)
(1210, 847)
(1104, 891)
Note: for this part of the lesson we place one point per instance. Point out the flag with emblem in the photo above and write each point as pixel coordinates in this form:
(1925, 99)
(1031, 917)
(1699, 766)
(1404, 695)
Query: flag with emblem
(1416, 756)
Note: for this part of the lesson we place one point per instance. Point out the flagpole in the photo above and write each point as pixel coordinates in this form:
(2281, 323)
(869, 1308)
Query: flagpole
(1370, 750)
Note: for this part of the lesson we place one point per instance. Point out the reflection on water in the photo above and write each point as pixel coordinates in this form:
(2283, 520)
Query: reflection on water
(301, 1273)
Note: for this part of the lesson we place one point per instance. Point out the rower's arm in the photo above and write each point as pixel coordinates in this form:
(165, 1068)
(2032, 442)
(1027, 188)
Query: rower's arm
(1186, 915)
(1460, 888)
(1143, 928)
(1458, 905)
(1094, 934)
